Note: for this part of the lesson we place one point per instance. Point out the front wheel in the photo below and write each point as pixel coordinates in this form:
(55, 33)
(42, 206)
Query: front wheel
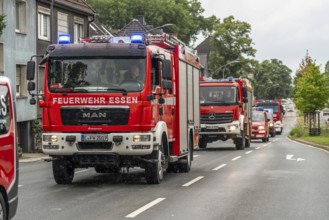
(3, 209)
(154, 171)
(63, 171)
(202, 143)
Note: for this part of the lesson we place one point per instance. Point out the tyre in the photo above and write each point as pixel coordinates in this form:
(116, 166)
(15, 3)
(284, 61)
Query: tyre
(240, 142)
(154, 171)
(186, 163)
(202, 144)
(63, 171)
(3, 208)
(247, 142)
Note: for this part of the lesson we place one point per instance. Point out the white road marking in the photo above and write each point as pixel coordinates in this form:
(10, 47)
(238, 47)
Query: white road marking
(248, 152)
(20, 185)
(196, 156)
(257, 148)
(81, 171)
(219, 167)
(193, 181)
(264, 145)
(290, 157)
(236, 158)
(144, 208)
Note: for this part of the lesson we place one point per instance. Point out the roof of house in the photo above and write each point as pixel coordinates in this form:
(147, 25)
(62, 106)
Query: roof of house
(134, 26)
(80, 5)
(204, 46)
(96, 28)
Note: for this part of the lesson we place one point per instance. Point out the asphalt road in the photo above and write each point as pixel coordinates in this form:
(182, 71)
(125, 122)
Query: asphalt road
(280, 179)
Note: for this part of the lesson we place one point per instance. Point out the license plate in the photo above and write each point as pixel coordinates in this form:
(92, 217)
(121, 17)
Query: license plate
(259, 135)
(94, 137)
(212, 127)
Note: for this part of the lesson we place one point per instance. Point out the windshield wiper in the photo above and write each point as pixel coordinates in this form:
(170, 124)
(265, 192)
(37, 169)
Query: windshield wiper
(124, 92)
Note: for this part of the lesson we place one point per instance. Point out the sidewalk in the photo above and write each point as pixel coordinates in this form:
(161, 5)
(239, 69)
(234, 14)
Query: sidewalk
(32, 157)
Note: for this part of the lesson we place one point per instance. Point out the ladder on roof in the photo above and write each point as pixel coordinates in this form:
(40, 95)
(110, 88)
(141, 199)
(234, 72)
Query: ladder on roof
(167, 41)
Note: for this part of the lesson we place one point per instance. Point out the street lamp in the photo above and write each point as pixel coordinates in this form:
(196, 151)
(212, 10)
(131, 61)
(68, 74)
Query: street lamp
(223, 66)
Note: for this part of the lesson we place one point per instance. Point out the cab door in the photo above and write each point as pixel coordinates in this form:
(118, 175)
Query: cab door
(7, 136)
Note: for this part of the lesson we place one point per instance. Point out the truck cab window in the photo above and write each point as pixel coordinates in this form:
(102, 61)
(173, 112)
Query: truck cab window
(4, 110)
(155, 73)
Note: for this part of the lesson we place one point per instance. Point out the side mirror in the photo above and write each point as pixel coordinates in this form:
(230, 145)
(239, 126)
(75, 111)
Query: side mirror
(30, 70)
(30, 86)
(166, 69)
(245, 99)
(244, 92)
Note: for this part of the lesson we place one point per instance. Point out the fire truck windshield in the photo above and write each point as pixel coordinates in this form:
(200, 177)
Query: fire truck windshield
(96, 75)
(273, 106)
(210, 95)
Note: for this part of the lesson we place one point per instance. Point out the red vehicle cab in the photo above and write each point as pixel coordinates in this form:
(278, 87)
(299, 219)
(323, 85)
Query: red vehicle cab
(8, 156)
(260, 125)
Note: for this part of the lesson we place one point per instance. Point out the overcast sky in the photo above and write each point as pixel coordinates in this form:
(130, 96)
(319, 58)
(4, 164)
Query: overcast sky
(281, 29)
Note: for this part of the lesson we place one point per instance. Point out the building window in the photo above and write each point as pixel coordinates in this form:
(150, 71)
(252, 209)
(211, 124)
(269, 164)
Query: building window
(1, 7)
(78, 29)
(43, 23)
(20, 16)
(62, 23)
(2, 68)
(21, 82)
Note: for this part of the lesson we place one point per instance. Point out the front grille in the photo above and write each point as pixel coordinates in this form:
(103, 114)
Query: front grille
(86, 116)
(95, 145)
(92, 160)
(214, 118)
(213, 130)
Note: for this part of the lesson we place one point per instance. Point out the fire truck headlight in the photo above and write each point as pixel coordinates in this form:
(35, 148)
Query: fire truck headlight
(233, 127)
(261, 127)
(50, 138)
(271, 124)
(141, 138)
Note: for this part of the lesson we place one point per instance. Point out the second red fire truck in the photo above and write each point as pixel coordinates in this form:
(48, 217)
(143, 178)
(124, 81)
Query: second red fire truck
(120, 102)
(226, 107)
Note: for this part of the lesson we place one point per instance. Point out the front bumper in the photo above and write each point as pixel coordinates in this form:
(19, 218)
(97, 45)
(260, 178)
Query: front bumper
(278, 126)
(127, 144)
(258, 135)
(228, 128)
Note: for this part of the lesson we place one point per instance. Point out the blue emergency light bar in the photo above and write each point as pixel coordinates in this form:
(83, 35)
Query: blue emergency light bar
(259, 109)
(137, 38)
(64, 39)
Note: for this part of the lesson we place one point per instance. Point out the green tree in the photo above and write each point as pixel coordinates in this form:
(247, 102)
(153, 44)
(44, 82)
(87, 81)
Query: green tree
(186, 15)
(311, 88)
(272, 80)
(231, 41)
(2, 24)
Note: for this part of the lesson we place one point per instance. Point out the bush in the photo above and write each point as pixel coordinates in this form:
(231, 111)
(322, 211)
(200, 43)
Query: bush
(298, 131)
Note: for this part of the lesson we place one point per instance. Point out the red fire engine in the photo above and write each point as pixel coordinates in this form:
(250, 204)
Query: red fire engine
(8, 152)
(276, 107)
(226, 107)
(100, 111)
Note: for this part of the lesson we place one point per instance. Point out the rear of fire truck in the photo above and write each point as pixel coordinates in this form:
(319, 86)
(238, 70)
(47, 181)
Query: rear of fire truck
(111, 105)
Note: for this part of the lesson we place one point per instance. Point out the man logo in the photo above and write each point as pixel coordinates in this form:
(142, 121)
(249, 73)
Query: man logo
(94, 115)
(212, 116)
